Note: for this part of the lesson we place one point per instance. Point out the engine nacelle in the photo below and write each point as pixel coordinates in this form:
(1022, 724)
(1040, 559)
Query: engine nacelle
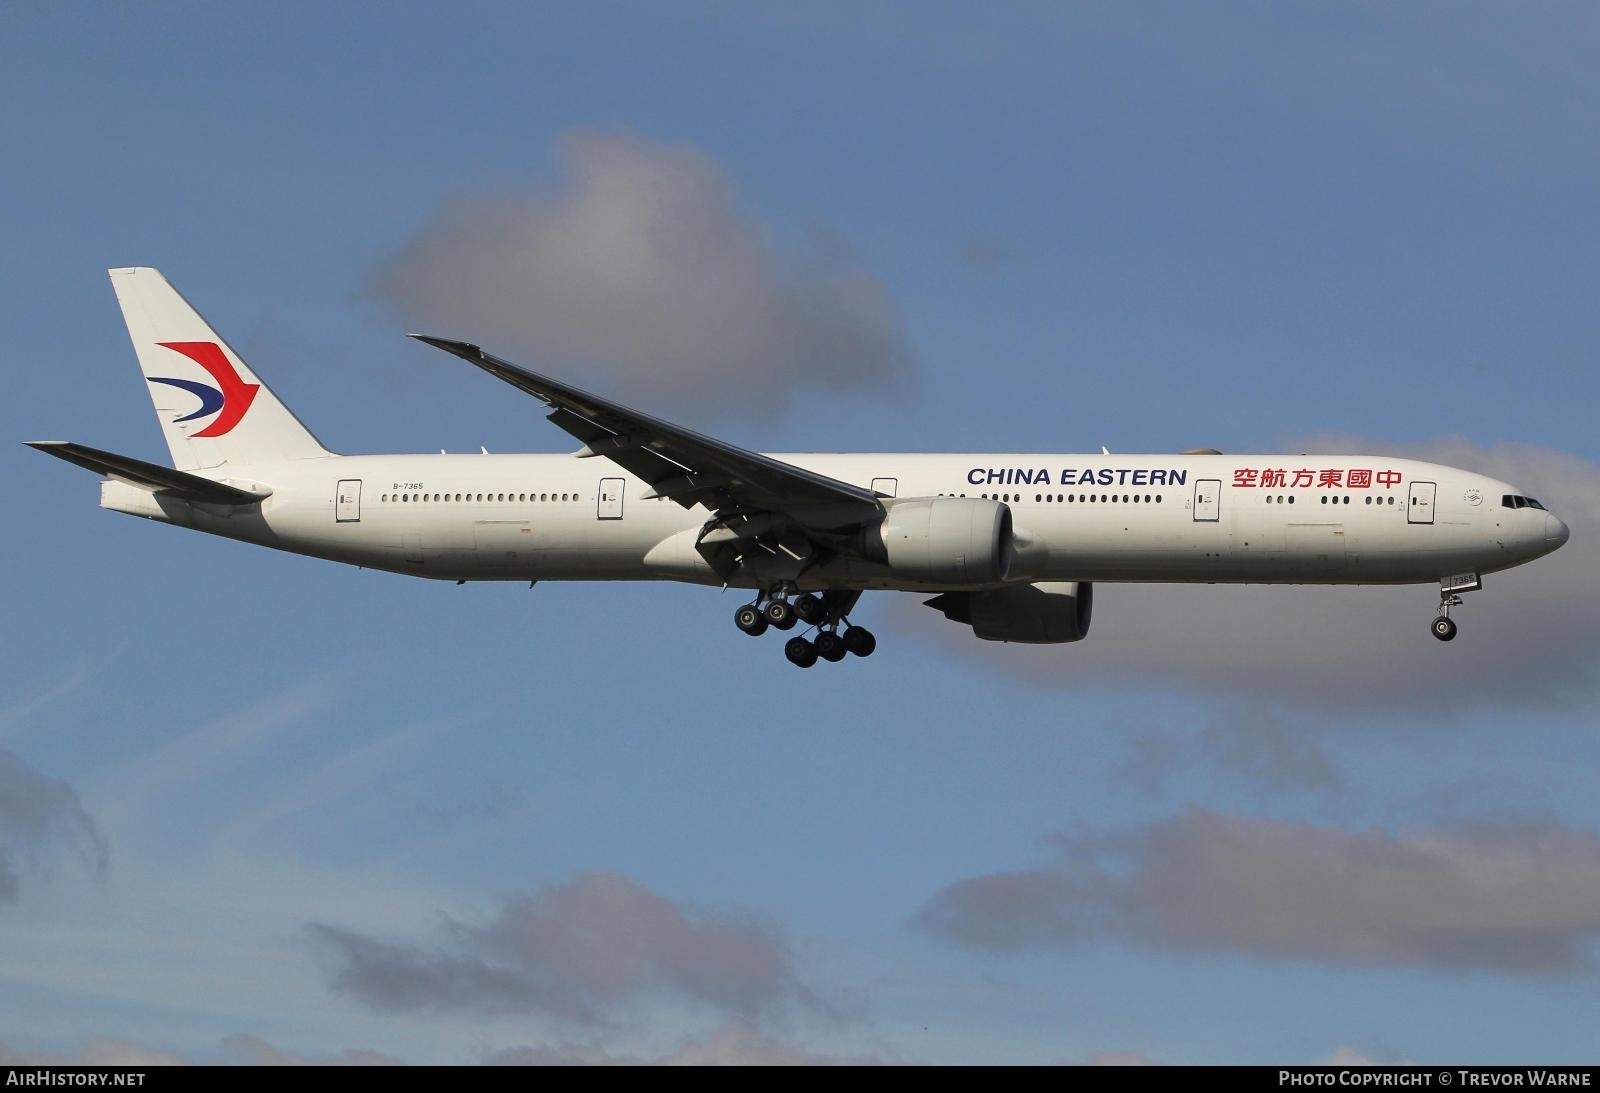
(943, 540)
(1046, 613)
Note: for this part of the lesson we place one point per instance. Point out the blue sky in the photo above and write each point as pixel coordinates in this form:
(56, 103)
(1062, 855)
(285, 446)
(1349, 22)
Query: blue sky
(261, 807)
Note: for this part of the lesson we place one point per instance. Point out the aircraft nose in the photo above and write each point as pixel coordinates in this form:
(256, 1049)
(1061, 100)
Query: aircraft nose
(1556, 531)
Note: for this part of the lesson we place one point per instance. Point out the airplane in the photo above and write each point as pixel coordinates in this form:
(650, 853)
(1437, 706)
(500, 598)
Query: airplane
(1010, 545)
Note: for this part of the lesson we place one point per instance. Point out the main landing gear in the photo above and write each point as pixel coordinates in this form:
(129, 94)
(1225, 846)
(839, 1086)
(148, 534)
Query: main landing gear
(825, 612)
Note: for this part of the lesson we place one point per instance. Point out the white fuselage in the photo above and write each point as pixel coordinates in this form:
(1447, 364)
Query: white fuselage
(1217, 518)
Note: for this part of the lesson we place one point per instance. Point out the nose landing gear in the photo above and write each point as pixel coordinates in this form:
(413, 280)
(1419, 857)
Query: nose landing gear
(1450, 589)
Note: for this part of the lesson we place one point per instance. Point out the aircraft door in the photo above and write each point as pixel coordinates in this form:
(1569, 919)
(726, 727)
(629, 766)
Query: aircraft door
(610, 504)
(1208, 500)
(347, 502)
(1419, 507)
(885, 487)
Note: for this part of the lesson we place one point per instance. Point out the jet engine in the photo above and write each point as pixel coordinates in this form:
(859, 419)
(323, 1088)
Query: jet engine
(1036, 614)
(958, 540)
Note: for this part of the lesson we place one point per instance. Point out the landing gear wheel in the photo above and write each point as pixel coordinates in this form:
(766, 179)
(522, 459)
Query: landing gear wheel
(829, 646)
(1444, 628)
(859, 640)
(780, 614)
(809, 608)
(750, 619)
(801, 653)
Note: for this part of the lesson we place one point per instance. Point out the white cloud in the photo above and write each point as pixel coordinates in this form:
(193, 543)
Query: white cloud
(1257, 746)
(1354, 1056)
(38, 814)
(576, 951)
(734, 1044)
(242, 1050)
(98, 1051)
(254, 1051)
(1517, 899)
(643, 278)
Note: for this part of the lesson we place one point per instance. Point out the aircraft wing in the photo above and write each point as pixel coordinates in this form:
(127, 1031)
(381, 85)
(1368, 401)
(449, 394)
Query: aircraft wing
(681, 464)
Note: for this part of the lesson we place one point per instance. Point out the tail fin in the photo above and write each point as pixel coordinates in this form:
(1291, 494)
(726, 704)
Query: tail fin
(237, 419)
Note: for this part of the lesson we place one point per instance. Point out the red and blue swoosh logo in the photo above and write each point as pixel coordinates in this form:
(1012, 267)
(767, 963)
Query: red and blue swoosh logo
(229, 399)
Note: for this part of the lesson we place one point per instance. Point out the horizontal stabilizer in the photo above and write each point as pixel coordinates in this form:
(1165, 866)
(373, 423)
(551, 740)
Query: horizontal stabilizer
(151, 476)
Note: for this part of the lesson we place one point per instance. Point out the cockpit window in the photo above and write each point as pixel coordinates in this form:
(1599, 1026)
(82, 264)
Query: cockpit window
(1516, 501)
(1532, 504)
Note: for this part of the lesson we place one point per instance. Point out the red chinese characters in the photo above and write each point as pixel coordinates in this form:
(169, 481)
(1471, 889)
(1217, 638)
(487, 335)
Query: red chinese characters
(1327, 478)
